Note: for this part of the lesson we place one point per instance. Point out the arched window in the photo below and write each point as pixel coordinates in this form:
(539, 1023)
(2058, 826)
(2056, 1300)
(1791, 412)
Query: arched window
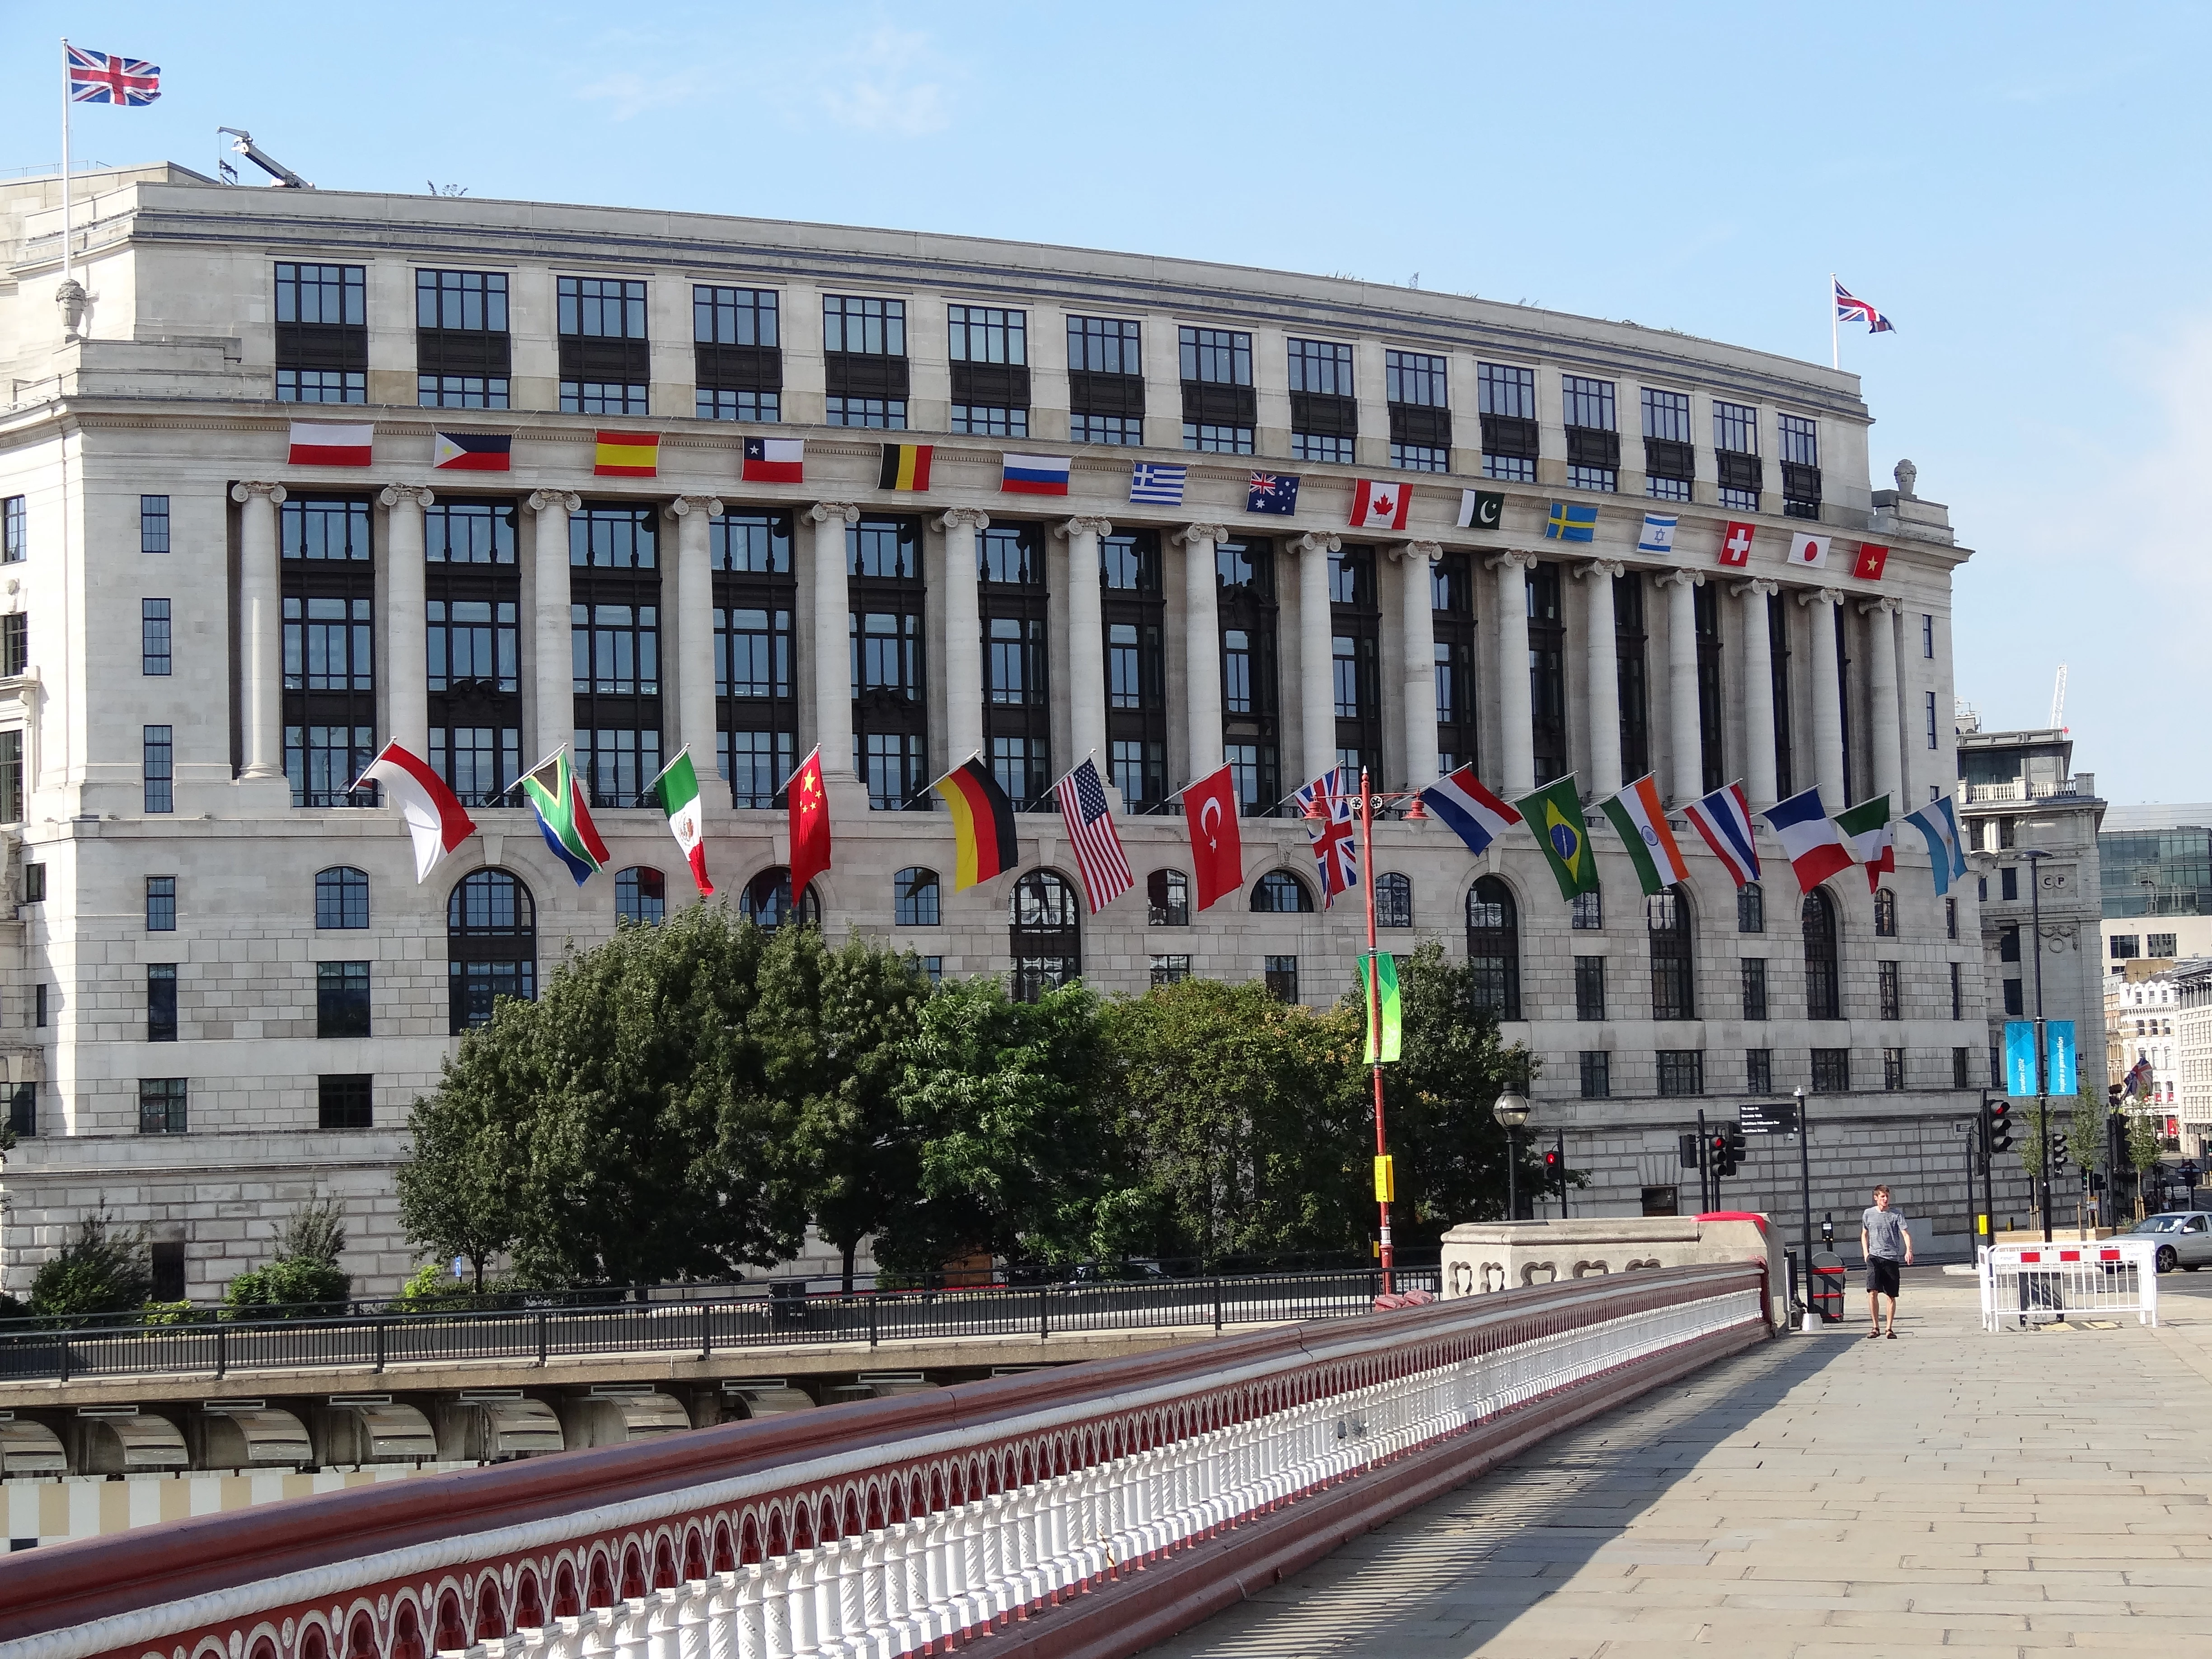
(1394, 901)
(641, 894)
(767, 899)
(1281, 893)
(1043, 940)
(1167, 896)
(1884, 913)
(1750, 908)
(491, 945)
(1493, 947)
(1823, 992)
(913, 897)
(1674, 976)
(342, 897)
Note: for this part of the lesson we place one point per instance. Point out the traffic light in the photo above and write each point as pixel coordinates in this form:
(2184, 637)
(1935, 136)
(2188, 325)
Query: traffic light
(2058, 1157)
(1723, 1159)
(1735, 1146)
(1996, 1125)
(1552, 1168)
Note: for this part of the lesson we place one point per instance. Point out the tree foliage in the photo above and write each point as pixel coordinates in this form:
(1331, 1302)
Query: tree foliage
(102, 1270)
(303, 1277)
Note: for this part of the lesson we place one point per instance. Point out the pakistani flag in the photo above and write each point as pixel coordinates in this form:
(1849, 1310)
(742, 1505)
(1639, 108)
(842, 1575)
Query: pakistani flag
(1386, 1018)
(1554, 816)
(676, 793)
(1871, 836)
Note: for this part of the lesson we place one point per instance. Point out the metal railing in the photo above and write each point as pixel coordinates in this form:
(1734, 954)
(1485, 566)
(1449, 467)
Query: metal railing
(701, 1326)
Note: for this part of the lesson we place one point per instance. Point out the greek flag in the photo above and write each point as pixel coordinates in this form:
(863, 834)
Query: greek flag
(1157, 485)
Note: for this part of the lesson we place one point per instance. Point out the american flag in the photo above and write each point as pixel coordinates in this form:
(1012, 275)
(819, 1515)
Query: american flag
(98, 78)
(1335, 844)
(1157, 485)
(1851, 309)
(1098, 852)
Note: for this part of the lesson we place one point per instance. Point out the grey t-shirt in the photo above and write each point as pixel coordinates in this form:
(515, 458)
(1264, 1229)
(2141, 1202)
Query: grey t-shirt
(1885, 1231)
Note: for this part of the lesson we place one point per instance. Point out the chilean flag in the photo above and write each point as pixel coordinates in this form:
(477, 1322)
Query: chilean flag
(1380, 506)
(1477, 816)
(329, 443)
(433, 813)
(471, 452)
(774, 461)
(1810, 837)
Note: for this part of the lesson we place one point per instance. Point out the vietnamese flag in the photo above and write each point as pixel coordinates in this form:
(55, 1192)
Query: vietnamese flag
(809, 826)
(1217, 852)
(1872, 558)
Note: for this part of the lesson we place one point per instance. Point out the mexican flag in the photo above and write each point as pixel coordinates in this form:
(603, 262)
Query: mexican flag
(677, 790)
(1871, 836)
(1387, 1017)
(1554, 816)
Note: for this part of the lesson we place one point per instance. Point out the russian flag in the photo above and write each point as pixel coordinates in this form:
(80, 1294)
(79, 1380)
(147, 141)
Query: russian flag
(1724, 819)
(329, 443)
(1478, 816)
(1035, 475)
(1810, 837)
(471, 452)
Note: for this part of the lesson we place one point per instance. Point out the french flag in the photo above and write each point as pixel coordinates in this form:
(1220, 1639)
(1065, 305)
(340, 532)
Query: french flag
(1476, 816)
(1810, 837)
(1035, 475)
(1724, 819)
(329, 443)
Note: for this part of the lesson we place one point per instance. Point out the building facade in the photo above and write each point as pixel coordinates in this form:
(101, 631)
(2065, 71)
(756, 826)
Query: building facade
(2157, 867)
(225, 985)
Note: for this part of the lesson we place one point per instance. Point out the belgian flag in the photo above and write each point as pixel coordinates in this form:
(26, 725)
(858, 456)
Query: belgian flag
(982, 823)
(906, 466)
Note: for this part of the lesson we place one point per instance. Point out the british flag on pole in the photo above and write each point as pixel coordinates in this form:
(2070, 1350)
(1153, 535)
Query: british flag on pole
(1335, 841)
(100, 77)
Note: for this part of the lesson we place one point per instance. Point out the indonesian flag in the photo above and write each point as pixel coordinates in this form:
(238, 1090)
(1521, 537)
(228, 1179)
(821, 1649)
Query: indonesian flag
(1380, 506)
(329, 443)
(676, 793)
(432, 812)
(1872, 557)
(1217, 847)
(1809, 837)
(1808, 551)
(809, 826)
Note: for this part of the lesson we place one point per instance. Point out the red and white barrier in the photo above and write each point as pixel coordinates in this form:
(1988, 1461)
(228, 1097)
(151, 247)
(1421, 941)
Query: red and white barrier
(2025, 1284)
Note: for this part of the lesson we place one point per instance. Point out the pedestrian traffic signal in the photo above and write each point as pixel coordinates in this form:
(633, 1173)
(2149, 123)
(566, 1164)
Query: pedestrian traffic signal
(1996, 1125)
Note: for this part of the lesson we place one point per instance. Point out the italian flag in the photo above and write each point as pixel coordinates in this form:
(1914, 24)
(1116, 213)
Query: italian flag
(1872, 837)
(1641, 818)
(676, 789)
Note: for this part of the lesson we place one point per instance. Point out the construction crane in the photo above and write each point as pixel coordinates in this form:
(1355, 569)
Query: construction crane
(2058, 701)
(244, 144)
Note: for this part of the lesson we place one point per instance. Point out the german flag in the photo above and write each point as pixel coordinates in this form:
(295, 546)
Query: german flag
(906, 466)
(627, 455)
(982, 823)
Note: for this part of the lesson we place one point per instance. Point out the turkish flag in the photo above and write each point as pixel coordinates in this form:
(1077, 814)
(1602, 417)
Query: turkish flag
(1736, 543)
(1216, 855)
(1871, 560)
(810, 827)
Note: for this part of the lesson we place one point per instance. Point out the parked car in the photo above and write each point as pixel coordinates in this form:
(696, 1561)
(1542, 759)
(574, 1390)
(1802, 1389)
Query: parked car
(2185, 1238)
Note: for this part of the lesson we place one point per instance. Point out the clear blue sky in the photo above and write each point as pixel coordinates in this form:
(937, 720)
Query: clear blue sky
(2019, 186)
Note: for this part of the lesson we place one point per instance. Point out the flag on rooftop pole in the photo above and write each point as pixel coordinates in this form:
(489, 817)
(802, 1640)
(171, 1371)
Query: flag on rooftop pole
(1554, 816)
(1849, 308)
(675, 792)
(1871, 836)
(563, 817)
(97, 77)
(432, 812)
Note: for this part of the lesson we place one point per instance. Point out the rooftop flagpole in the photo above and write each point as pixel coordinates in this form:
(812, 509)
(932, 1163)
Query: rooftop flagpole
(1835, 348)
(66, 272)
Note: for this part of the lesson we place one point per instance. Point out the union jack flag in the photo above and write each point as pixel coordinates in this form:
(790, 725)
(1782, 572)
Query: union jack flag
(99, 77)
(1335, 837)
(1851, 309)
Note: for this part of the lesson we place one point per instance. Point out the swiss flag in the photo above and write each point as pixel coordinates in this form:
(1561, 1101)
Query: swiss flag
(1217, 852)
(1871, 560)
(1380, 506)
(1736, 543)
(810, 827)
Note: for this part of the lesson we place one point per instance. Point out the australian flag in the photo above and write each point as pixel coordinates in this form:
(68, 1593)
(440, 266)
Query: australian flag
(1272, 492)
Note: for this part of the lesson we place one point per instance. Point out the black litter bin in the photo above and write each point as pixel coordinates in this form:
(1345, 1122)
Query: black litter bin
(787, 1303)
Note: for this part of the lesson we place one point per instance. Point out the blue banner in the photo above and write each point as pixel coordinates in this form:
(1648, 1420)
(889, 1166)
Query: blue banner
(2019, 1057)
(2058, 1043)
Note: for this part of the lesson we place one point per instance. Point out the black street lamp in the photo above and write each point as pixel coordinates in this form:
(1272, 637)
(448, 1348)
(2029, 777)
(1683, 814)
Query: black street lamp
(1511, 1111)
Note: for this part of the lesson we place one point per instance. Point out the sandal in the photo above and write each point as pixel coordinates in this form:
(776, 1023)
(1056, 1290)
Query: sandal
(1892, 1335)
(1874, 1336)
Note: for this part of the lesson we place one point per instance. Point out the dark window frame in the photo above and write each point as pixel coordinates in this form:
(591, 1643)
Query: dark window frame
(1493, 947)
(756, 617)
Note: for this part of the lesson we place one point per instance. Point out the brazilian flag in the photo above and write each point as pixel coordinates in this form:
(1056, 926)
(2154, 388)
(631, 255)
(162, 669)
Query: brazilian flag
(1554, 816)
(1392, 1022)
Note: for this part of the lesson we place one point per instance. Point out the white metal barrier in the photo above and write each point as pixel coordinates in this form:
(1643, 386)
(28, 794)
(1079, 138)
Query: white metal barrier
(2025, 1284)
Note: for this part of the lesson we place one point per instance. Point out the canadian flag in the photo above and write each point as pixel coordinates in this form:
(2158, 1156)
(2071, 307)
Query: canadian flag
(1736, 543)
(1809, 551)
(1380, 506)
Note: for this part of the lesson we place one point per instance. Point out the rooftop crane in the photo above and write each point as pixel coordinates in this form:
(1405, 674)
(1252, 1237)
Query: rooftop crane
(244, 144)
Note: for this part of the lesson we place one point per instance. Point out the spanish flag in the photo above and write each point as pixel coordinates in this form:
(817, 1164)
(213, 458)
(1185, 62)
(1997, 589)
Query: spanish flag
(627, 455)
(906, 466)
(982, 823)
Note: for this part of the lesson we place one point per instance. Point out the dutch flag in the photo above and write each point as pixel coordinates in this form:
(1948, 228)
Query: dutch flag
(1478, 816)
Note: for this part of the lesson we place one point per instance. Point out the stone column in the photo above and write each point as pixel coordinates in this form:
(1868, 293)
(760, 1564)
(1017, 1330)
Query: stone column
(261, 619)
(1885, 740)
(1316, 652)
(1828, 697)
(1516, 736)
(555, 674)
(963, 635)
(1602, 672)
(403, 618)
(1418, 622)
(1201, 625)
(692, 610)
(1687, 776)
(833, 646)
(1759, 774)
(1086, 643)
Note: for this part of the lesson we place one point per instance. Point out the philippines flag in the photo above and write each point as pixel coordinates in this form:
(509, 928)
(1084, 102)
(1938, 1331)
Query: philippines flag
(1380, 506)
(471, 452)
(1724, 819)
(432, 812)
(1034, 475)
(1336, 849)
(99, 77)
(329, 443)
(774, 461)
(1849, 308)
(1809, 837)
(1475, 815)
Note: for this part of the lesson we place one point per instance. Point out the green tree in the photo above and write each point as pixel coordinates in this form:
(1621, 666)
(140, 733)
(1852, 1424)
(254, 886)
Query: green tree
(102, 1270)
(303, 1277)
(2144, 1147)
(461, 1189)
(2085, 1128)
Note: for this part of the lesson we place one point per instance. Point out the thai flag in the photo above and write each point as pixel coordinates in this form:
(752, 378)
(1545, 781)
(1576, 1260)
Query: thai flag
(1810, 837)
(1724, 819)
(1476, 816)
(1034, 475)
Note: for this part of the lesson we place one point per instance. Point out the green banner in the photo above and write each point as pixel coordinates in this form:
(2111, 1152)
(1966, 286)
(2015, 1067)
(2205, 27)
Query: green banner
(1391, 1015)
(1554, 816)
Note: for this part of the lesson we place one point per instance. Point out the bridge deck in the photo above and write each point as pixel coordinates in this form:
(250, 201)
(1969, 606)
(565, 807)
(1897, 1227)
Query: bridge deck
(1819, 1497)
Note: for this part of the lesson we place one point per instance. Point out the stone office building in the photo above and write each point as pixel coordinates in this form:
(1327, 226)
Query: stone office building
(222, 985)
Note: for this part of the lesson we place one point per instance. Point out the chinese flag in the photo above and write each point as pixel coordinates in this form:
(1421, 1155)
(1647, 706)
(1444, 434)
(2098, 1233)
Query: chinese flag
(809, 826)
(1872, 558)
(1216, 855)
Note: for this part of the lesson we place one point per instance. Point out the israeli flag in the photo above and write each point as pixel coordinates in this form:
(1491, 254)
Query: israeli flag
(1658, 533)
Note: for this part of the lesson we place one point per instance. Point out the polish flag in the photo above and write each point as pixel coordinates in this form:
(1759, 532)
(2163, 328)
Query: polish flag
(329, 443)
(1380, 506)
(1736, 543)
(432, 812)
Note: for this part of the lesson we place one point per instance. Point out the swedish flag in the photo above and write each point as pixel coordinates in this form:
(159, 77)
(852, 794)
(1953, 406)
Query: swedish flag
(1554, 816)
(1569, 523)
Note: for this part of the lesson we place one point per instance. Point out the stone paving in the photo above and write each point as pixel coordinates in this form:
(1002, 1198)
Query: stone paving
(1823, 1497)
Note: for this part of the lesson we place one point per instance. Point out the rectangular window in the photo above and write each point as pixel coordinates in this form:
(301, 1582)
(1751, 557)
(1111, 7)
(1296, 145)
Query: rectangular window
(472, 631)
(1759, 1071)
(1420, 411)
(1633, 691)
(1893, 1069)
(1282, 977)
(605, 356)
(1891, 1000)
(1586, 914)
(614, 636)
(341, 998)
(736, 352)
(162, 1002)
(888, 665)
(1219, 406)
(1681, 1072)
(1589, 988)
(11, 776)
(35, 884)
(15, 531)
(1105, 345)
(1218, 439)
(1547, 673)
(1245, 571)
(15, 645)
(1801, 465)
(2159, 945)
(1136, 666)
(161, 904)
(2012, 1005)
(1959, 1079)
(1832, 1071)
(865, 366)
(1754, 988)
(158, 763)
(1170, 969)
(462, 353)
(1735, 444)
(153, 524)
(1778, 607)
(1506, 395)
(1123, 430)
(755, 597)
(1950, 918)
(153, 637)
(2008, 942)
(23, 1110)
(2009, 882)
(328, 581)
(1596, 1074)
(1931, 719)
(322, 334)
(345, 1101)
(38, 1007)
(989, 353)
(1669, 454)
(1324, 406)
(1105, 381)
(734, 316)
(1593, 436)
(1928, 636)
(1957, 992)
(162, 1107)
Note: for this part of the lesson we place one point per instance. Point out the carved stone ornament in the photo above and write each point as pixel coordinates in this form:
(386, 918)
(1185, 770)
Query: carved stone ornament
(1907, 475)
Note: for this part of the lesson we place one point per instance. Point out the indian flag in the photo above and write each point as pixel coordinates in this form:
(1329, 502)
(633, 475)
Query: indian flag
(677, 790)
(1636, 811)
(1872, 837)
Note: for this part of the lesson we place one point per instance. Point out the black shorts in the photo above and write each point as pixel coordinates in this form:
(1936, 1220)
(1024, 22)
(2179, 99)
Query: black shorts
(1881, 1275)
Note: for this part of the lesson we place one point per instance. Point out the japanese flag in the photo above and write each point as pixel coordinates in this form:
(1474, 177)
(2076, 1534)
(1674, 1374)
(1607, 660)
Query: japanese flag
(1380, 506)
(1807, 550)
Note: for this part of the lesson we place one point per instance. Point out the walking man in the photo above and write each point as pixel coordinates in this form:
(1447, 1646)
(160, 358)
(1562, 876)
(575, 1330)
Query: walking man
(1886, 1243)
